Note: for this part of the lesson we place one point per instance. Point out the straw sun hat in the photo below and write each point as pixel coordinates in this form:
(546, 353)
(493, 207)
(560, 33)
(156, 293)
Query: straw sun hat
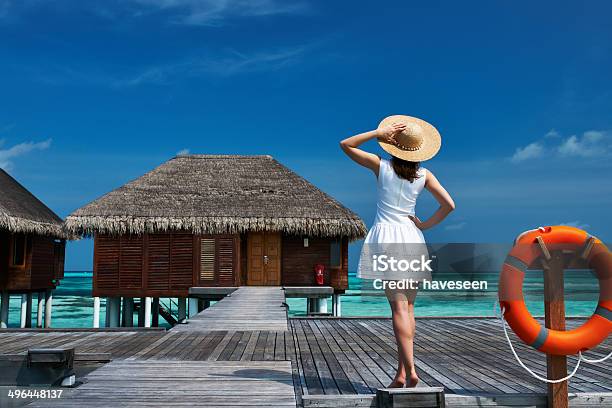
(420, 141)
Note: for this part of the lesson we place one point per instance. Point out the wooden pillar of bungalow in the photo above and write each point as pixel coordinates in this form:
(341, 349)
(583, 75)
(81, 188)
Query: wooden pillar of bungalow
(4, 309)
(48, 307)
(155, 312)
(337, 305)
(23, 311)
(96, 312)
(28, 322)
(182, 308)
(39, 309)
(193, 306)
(147, 312)
(128, 312)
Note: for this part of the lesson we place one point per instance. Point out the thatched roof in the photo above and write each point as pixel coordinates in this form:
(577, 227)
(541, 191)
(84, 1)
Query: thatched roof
(20, 211)
(217, 194)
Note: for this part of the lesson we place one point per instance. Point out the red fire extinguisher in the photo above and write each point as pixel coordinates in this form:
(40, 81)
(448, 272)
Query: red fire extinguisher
(319, 273)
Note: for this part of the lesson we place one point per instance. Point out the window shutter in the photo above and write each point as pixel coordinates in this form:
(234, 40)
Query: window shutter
(107, 262)
(207, 259)
(159, 261)
(225, 258)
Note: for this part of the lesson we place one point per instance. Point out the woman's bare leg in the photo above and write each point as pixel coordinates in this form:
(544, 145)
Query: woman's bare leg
(402, 308)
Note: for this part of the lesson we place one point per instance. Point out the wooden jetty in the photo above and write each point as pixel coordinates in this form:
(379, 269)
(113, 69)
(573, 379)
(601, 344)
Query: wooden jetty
(246, 308)
(231, 360)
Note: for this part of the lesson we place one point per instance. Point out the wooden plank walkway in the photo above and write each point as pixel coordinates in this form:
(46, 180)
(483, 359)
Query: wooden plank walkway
(247, 308)
(348, 359)
(166, 383)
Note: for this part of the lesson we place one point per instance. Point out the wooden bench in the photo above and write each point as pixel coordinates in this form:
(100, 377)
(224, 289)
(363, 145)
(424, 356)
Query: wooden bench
(423, 397)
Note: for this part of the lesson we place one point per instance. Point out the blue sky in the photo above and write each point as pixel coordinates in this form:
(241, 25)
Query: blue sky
(96, 93)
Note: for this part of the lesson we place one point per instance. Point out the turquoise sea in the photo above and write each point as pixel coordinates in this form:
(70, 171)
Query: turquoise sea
(73, 304)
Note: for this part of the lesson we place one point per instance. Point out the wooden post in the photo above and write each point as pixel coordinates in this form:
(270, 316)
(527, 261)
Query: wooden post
(48, 307)
(128, 312)
(193, 306)
(96, 313)
(337, 305)
(24, 311)
(155, 312)
(29, 309)
(141, 312)
(39, 310)
(182, 309)
(147, 312)
(4, 309)
(107, 312)
(554, 311)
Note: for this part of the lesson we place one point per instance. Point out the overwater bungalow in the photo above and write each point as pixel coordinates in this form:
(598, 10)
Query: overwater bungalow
(32, 248)
(201, 221)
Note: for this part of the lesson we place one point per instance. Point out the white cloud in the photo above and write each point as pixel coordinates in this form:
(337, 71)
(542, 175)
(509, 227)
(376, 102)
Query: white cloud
(552, 133)
(182, 152)
(592, 143)
(7, 155)
(226, 64)
(531, 151)
(215, 12)
(456, 227)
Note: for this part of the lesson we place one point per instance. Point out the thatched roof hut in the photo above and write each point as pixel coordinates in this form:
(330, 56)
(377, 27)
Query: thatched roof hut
(215, 194)
(22, 212)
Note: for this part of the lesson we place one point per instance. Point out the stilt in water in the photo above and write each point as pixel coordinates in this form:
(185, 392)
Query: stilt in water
(193, 306)
(155, 312)
(48, 307)
(4, 309)
(128, 312)
(337, 305)
(96, 313)
(39, 310)
(28, 322)
(24, 311)
(147, 312)
(141, 312)
(113, 306)
(182, 309)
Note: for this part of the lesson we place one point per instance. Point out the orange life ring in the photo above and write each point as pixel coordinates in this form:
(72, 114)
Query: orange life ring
(525, 252)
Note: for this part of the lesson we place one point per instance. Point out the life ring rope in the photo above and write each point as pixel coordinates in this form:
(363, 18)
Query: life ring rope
(581, 357)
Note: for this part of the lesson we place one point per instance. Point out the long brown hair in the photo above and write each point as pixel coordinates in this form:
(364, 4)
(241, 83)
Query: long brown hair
(405, 169)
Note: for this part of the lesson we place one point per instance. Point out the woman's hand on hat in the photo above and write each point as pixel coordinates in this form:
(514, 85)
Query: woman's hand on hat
(388, 133)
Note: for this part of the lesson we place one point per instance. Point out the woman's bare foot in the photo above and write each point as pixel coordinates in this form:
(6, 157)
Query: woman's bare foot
(397, 383)
(413, 380)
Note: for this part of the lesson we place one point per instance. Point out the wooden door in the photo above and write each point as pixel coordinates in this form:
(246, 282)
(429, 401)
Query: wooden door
(264, 258)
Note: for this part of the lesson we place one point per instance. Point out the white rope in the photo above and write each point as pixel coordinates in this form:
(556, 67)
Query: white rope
(581, 356)
(539, 377)
(600, 360)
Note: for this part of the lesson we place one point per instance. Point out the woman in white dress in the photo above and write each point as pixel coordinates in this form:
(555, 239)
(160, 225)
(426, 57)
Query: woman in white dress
(400, 180)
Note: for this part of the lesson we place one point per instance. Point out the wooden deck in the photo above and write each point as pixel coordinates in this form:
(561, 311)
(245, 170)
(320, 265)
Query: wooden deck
(344, 361)
(166, 383)
(246, 308)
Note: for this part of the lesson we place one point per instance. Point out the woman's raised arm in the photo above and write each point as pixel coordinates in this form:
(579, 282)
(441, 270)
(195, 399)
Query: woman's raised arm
(366, 159)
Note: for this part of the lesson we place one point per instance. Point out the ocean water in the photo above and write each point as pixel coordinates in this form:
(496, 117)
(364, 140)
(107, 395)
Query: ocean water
(73, 304)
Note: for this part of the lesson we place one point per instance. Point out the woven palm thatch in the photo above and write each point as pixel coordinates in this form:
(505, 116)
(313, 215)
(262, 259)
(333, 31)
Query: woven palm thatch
(21, 212)
(212, 194)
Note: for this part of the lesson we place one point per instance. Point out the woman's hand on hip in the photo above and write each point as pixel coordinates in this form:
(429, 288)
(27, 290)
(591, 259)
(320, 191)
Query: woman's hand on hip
(419, 224)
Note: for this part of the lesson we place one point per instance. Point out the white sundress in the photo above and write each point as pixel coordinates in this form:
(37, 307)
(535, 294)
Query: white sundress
(393, 232)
